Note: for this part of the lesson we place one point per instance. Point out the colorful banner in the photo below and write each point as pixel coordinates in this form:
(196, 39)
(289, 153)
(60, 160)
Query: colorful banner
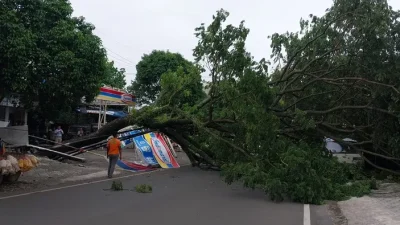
(141, 145)
(145, 148)
(113, 95)
(153, 147)
(167, 149)
(161, 151)
(126, 134)
(169, 144)
(133, 166)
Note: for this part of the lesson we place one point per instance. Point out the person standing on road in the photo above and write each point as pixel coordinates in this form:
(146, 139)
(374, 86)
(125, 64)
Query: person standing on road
(113, 153)
(58, 133)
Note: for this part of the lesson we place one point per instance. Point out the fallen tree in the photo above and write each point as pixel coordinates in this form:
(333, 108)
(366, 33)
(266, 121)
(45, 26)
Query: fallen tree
(335, 78)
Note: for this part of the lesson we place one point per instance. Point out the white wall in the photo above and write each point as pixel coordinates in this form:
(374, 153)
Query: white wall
(15, 135)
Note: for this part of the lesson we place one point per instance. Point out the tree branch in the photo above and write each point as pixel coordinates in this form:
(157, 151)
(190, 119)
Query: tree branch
(307, 84)
(331, 127)
(378, 167)
(364, 80)
(304, 98)
(227, 142)
(349, 107)
(305, 68)
(188, 143)
(291, 59)
(179, 139)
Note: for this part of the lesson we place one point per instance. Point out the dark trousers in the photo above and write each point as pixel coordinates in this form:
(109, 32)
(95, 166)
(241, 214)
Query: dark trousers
(112, 161)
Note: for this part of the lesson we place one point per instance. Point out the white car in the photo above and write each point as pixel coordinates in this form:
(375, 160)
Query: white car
(339, 151)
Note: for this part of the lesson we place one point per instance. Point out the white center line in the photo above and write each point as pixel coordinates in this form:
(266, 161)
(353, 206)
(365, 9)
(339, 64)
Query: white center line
(307, 215)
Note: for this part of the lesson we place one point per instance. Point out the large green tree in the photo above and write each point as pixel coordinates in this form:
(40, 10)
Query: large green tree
(51, 59)
(149, 70)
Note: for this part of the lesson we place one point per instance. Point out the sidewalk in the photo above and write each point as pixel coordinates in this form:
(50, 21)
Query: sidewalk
(381, 207)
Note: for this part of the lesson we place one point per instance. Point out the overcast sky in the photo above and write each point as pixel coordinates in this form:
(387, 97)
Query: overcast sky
(131, 28)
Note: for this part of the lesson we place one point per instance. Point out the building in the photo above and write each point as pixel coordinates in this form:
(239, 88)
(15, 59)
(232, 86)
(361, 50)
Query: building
(11, 112)
(13, 122)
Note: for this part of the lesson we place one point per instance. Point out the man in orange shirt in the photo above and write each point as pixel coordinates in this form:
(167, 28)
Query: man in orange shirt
(113, 153)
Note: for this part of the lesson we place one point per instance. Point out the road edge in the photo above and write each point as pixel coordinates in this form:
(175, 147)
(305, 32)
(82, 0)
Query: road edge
(85, 183)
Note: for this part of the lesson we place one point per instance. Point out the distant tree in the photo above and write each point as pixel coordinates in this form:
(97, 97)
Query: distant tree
(115, 77)
(180, 88)
(146, 85)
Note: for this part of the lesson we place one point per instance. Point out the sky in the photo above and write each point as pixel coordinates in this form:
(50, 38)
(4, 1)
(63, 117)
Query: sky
(131, 28)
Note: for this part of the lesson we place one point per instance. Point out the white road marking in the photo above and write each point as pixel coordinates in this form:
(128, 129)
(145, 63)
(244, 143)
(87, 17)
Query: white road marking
(78, 185)
(307, 215)
(100, 174)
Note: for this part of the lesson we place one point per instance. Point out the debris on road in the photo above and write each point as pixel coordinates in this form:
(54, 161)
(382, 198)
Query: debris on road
(144, 188)
(117, 186)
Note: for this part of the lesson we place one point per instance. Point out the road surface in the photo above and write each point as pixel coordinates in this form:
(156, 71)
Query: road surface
(185, 196)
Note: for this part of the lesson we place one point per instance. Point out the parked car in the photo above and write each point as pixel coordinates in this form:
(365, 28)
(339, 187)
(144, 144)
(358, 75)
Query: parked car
(342, 151)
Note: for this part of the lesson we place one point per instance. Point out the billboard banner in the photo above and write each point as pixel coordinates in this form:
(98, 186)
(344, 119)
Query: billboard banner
(161, 151)
(114, 95)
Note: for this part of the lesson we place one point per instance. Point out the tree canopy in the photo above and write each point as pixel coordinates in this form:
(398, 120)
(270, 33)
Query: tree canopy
(149, 70)
(337, 77)
(51, 59)
(341, 75)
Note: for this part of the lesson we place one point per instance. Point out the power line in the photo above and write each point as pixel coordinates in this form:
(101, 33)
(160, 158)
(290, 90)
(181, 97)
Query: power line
(122, 62)
(123, 58)
(117, 57)
(108, 49)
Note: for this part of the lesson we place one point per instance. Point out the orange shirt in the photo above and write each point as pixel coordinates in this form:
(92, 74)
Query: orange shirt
(113, 146)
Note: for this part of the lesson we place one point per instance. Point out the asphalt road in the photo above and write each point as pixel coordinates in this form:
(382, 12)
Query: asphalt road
(185, 196)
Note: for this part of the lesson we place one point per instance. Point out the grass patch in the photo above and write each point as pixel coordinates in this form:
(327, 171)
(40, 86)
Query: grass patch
(117, 186)
(143, 188)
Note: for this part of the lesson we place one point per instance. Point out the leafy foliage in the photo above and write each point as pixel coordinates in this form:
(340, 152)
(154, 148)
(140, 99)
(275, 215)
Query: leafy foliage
(149, 70)
(180, 88)
(143, 188)
(304, 174)
(114, 77)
